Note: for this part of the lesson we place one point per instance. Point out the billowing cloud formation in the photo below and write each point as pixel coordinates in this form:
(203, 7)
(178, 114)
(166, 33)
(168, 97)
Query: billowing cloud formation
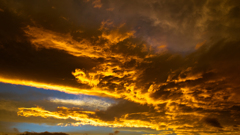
(171, 64)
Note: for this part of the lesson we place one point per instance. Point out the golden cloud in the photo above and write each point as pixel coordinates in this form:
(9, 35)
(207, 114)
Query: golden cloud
(66, 89)
(138, 120)
(86, 118)
(97, 3)
(114, 35)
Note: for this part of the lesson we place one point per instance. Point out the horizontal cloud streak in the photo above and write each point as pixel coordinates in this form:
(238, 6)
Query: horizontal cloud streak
(88, 102)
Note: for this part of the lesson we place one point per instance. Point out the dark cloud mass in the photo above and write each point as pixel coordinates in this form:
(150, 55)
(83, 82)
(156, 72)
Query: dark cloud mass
(43, 133)
(213, 122)
(168, 65)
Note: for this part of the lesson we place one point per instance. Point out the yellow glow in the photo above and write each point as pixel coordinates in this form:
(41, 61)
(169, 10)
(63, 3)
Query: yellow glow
(48, 39)
(105, 69)
(86, 118)
(161, 46)
(42, 38)
(83, 78)
(134, 95)
(90, 118)
(66, 89)
(189, 76)
(131, 92)
(114, 36)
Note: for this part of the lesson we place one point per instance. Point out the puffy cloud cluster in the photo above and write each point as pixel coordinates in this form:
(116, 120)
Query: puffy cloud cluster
(169, 64)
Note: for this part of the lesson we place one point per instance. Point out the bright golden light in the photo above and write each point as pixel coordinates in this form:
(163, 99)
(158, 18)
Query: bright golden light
(42, 38)
(131, 93)
(86, 118)
(85, 79)
(48, 39)
(66, 89)
(153, 121)
(114, 36)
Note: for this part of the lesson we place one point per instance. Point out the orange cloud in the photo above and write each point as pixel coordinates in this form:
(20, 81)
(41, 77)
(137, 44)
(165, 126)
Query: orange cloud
(86, 118)
(66, 89)
(178, 122)
(48, 39)
(114, 35)
(42, 38)
(97, 3)
(200, 44)
(85, 79)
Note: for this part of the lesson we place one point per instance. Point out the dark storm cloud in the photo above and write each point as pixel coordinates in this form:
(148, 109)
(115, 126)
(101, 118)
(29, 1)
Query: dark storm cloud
(122, 108)
(20, 59)
(164, 22)
(202, 84)
(48, 15)
(131, 50)
(213, 122)
(179, 24)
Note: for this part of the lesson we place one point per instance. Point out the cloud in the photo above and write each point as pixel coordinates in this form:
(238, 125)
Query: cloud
(184, 93)
(116, 132)
(85, 102)
(170, 64)
(8, 105)
(48, 39)
(44, 133)
(97, 3)
(9, 109)
(16, 130)
(122, 108)
(65, 89)
(213, 122)
(5, 127)
(114, 35)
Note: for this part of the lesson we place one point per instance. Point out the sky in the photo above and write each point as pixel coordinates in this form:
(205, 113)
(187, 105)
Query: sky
(120, 67)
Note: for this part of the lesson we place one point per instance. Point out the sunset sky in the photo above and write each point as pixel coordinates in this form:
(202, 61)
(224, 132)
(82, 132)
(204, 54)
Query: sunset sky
(120, 67)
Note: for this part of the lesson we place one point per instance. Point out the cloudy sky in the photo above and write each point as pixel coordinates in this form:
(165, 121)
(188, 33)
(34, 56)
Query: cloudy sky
(120, 67)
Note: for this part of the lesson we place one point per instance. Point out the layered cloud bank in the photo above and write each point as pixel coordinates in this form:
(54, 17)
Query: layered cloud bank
(171, 66)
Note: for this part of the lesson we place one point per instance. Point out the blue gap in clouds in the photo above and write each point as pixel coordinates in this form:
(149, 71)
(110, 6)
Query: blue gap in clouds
(18, 92)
